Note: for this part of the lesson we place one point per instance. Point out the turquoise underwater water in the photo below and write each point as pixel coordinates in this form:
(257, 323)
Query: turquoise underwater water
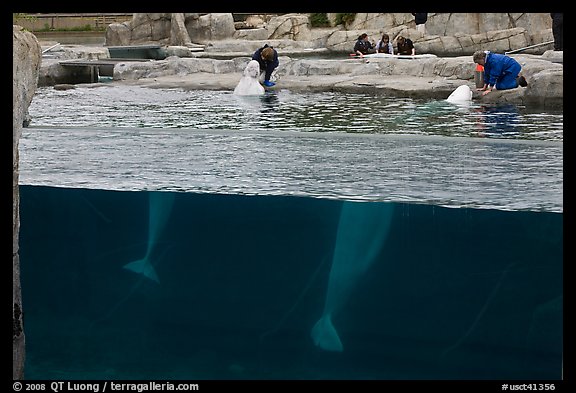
(448, 293)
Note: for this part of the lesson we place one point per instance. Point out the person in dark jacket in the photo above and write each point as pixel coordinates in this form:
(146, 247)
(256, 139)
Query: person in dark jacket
(420, 18)
(267, 57)
(500, 71)
(363, 46)
(557, 30)
(405, 46)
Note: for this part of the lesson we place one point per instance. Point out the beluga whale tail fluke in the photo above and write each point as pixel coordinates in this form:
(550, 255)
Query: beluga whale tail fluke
(325, 336)
(144, 267)
(159, 208)
(362, 232)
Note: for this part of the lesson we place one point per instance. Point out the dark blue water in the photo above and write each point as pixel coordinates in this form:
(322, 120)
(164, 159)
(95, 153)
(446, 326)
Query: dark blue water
(450, 293)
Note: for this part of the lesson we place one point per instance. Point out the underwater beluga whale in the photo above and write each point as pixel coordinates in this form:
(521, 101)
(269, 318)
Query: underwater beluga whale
(462, 95)
(159, 209)
(362, 230)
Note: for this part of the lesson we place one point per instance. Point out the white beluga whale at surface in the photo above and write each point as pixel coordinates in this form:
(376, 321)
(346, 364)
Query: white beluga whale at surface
(160, 206)
(462, 95)
(249, 84)
(362, 230)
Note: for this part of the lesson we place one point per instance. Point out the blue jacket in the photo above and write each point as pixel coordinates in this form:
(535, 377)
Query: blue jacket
(267, 66)
(496, 65)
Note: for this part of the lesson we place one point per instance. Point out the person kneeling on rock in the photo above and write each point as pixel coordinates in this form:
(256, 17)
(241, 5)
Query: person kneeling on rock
(501, 72)
(268, 59)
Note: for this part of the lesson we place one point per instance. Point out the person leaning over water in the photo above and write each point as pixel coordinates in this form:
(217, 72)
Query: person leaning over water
(384, 45)
(405, 46)
(363, 46)
(267, 57)
(501, 72)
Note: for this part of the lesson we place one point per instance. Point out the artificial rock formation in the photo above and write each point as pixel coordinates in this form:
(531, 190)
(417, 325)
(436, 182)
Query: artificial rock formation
(178, 33)
(26, 57)
(170, 29)
(448, 34)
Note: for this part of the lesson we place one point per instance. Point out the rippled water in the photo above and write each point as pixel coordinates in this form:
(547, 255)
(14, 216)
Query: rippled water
(327, 145)
(133, 106)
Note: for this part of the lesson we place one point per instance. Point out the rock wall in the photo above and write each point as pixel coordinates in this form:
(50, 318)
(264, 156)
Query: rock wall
(26, 56)
(168, 29)
(447, 34)
(447, 24)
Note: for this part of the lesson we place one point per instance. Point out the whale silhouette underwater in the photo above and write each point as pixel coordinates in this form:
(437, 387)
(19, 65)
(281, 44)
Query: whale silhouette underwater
(159, 209)
(160, 206)
(362, 231)
(363, 228)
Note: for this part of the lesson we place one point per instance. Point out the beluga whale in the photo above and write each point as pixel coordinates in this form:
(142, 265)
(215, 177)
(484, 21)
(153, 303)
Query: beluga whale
(159, 208)
(249, 84)
(362, 231)
(461, 95)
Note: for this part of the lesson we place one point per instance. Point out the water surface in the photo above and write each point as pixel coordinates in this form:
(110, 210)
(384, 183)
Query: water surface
(134, 106)
(325, 145)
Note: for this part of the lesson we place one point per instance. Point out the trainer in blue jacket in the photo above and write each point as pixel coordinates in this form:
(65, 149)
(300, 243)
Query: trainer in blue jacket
(500, 71)
(268, 59)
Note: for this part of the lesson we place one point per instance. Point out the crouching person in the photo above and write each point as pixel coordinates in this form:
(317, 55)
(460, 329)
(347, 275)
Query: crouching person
(501, 72)
(267, 57)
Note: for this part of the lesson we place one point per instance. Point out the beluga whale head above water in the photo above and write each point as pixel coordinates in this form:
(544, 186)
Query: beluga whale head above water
(249, 84)
(462, 95)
